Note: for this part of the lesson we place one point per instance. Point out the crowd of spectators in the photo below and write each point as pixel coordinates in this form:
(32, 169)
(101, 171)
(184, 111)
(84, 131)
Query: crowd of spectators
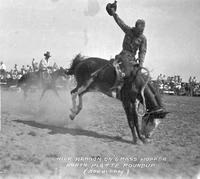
(165, 84)
(16, 72)
(175, 85)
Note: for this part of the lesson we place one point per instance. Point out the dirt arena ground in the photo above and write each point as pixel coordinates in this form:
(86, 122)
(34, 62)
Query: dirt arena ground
(38, 140)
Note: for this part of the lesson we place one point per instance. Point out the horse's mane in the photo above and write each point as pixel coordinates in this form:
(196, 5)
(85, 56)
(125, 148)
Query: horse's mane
(77, 59)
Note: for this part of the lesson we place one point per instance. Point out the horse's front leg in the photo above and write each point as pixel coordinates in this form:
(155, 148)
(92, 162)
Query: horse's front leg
(81, 92)
(80, 104)
(128, 110)
(74, 107)
(135, 119)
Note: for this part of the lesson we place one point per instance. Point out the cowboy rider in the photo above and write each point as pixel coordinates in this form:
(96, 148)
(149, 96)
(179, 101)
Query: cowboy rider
(44, 66)
(134, 41)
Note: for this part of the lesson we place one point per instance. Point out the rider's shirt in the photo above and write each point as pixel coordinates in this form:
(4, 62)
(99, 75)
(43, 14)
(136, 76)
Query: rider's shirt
(43, 64)
(132, 42)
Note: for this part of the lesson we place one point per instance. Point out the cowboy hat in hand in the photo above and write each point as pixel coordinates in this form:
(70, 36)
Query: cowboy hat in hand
(111, 8)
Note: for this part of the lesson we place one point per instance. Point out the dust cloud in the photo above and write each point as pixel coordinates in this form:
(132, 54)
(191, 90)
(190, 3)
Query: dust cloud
(51, 110)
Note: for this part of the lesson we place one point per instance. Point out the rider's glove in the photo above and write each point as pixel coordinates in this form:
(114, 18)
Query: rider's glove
(140, 62)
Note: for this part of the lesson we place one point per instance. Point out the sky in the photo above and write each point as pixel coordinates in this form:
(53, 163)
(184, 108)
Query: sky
(29, 28)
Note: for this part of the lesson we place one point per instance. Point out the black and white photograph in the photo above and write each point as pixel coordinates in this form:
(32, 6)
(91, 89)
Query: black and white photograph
(100, 89)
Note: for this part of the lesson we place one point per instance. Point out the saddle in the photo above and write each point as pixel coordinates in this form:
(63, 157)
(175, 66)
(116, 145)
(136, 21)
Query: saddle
(121, 75)
(119, 81)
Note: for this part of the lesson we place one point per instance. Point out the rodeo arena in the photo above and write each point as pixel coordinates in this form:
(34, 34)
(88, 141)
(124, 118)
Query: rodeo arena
(171, 85)
(90, 116)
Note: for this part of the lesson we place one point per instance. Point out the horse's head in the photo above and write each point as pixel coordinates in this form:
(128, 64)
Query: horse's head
(148, 126)
(150, 122)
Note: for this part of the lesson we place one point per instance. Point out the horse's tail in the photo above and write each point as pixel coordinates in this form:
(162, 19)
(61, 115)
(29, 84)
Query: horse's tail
(74, 64)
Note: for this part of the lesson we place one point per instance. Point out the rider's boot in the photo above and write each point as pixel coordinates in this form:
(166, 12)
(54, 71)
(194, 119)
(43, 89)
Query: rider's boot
(154, 104)
(156, 94)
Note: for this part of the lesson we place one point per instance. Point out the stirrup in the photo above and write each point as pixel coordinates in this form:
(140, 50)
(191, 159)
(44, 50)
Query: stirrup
(158, 113)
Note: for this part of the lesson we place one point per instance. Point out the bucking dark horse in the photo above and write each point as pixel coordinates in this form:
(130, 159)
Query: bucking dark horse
(34, 79)
(96, 74)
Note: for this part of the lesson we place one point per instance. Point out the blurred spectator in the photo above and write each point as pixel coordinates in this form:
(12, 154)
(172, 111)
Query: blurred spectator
(2, 66)
(190, 79)
(15, 71)
(30, 69)
(35, 65)
(2, 71)
(194, 80)
(23, 70)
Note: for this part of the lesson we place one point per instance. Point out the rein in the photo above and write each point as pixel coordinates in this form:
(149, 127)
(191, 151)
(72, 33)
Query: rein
(94, 74)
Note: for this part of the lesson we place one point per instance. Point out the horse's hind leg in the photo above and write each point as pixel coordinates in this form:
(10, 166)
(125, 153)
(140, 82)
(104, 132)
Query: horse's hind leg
(77, 108)
(74, 107)
(79, 91)
(43, 92)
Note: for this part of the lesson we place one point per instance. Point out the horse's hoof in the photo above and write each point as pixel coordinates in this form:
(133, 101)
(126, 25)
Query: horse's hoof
(148, 140)
(71, 117)
(78, 110)
(143, 139)
(134, 141)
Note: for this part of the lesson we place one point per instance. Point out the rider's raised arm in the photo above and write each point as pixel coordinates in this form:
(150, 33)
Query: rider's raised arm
(121, 23)
(142, 51)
